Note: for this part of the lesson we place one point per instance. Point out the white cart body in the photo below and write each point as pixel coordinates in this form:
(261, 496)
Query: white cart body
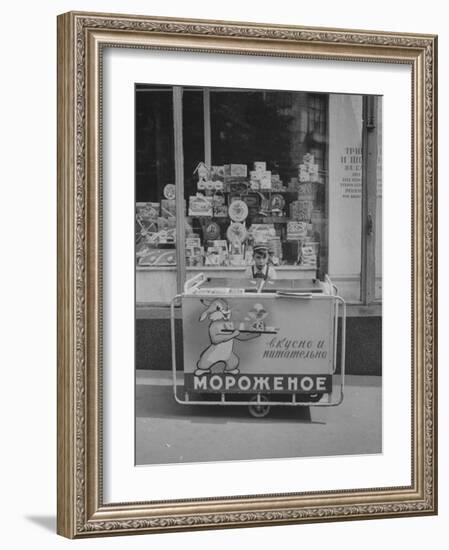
(264, 348)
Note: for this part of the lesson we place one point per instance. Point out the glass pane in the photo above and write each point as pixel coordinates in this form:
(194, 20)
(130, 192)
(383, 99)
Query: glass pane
(193, 148)
(155, 196)
(193, 134)
(265, 185)
(154, 141)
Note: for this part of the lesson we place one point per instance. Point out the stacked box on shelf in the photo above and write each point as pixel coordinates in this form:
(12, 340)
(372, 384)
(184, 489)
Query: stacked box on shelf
(262, 232)
(199, 206)
(220, 209)
(309, 254)
(236, 252)
(235, 184)
(301, 210)
(217, 253)
(194, 251)
(260, 177)
(194, 256)
(276, 183)
(235, 170)
(308, 170)
(297, 230)
(265, 180)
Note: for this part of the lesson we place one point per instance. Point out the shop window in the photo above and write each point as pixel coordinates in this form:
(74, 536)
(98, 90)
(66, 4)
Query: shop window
(275, 168)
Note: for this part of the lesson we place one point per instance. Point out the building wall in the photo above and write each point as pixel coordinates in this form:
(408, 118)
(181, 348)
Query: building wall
(363, 345)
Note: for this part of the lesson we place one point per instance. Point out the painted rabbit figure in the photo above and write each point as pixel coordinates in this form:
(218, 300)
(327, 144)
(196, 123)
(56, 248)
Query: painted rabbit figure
(221, 336)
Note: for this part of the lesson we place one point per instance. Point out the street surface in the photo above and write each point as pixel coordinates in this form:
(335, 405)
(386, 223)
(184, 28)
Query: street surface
(168, 432)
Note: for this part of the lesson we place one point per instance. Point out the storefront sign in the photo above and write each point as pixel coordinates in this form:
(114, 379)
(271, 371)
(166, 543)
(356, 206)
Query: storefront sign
(351, 168)
(345, 197)
(345, 193)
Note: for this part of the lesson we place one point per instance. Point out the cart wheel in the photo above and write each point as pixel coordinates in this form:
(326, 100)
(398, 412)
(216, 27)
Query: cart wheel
(261, 410)
(315, 397)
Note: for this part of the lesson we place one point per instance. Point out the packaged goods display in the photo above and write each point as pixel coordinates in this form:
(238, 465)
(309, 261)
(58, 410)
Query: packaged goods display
(238, 211)
(235, 170)
(169, 191)
(309, 254)
(296, 231)
(232, 207)
(200, 206)
(236, 232)
(147, 214)
(211, 231)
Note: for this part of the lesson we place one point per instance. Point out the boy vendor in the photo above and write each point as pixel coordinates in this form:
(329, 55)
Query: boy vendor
(260, 269)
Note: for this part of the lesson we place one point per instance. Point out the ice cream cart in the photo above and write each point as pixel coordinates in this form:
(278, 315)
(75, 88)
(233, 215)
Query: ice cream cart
(259, 343)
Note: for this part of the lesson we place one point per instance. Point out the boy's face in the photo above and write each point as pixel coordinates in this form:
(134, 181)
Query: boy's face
(260, 260)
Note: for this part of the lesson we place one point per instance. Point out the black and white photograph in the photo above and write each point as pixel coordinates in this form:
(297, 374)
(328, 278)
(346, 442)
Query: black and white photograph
(222, 313)
(258, 278)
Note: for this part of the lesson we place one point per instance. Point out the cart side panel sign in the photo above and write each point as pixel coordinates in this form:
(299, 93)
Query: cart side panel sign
(257, 383)
(258, 334)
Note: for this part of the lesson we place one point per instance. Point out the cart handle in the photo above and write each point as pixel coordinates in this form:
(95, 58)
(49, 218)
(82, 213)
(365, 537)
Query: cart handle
(192, 284)
(327, 280)
(287, 294)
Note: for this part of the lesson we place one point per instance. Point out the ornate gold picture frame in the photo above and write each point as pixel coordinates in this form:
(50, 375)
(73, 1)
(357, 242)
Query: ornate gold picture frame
(82, 509)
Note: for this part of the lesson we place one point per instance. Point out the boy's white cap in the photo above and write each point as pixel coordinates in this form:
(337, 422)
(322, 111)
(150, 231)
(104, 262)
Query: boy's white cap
(260, 247)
